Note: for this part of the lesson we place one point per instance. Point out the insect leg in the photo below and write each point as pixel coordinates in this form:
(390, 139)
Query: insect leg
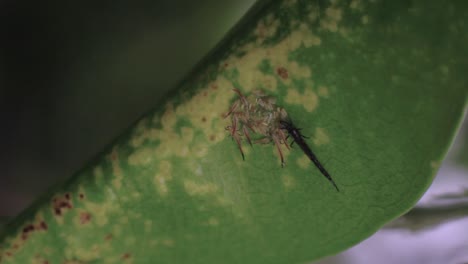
(284, 138)
(229, 128)
(240, 146)
(299, 130)
(234, 107)
(246, 133)
(264, 140)
(278, 147)
(241, 96)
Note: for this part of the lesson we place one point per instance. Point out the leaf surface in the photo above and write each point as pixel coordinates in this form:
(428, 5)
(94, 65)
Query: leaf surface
(378, 86)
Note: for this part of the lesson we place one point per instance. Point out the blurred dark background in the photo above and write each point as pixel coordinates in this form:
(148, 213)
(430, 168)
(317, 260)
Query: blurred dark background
(75, 74)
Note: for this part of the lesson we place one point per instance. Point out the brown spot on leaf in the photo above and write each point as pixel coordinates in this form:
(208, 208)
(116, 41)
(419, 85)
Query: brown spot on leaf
(67, 196)
(126, 256)
(108, 237)
(64, 204)
(214, 86)
(43, 225)
(282, 72)
(26, 231)
(85, 218)
(28, 228)
(203, 119)
(212, 137)
(205, 94)
(61, 203)
(81, 196)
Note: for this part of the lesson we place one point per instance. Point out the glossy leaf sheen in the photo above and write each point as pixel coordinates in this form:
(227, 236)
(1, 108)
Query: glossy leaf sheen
(379, 86)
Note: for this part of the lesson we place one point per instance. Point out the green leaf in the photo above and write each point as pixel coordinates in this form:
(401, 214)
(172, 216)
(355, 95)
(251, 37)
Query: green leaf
(378, 86)
(461, 154)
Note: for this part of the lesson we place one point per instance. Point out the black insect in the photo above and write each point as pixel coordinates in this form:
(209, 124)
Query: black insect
(297, 137)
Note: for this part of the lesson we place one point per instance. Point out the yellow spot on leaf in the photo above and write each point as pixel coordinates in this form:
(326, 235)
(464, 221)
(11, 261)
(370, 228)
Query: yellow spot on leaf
(124, 220)
(299, 71)
(332, 18)
(117, 183)
(250, 76)
(138, 132)
(102, 211)
(161, 184)
(98, 173)
(148, 226)
(195, 189)
(117, 171)
(199, 171)
(355, 4)
(320, 137)
(308, 99)
(309, 39)
(187, 134)
(266, 28)
(117, 230)
(162, 177)
(167, 242)
(303, 162)
(136, 195)
(202, 109)
(168, 119)
(288, 181)
(365, 19)
(323, 91)
(268, 83)
(213, 221)
(200, 150)
(138, 137)
(77, 248)
(314, 15)
(141, 156)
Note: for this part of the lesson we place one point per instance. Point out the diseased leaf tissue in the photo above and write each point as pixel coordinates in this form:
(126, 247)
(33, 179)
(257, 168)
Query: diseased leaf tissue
(259, 114)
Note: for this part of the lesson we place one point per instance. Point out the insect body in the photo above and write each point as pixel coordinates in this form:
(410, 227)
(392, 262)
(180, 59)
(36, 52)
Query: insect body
(297, 137)
(257, 114)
